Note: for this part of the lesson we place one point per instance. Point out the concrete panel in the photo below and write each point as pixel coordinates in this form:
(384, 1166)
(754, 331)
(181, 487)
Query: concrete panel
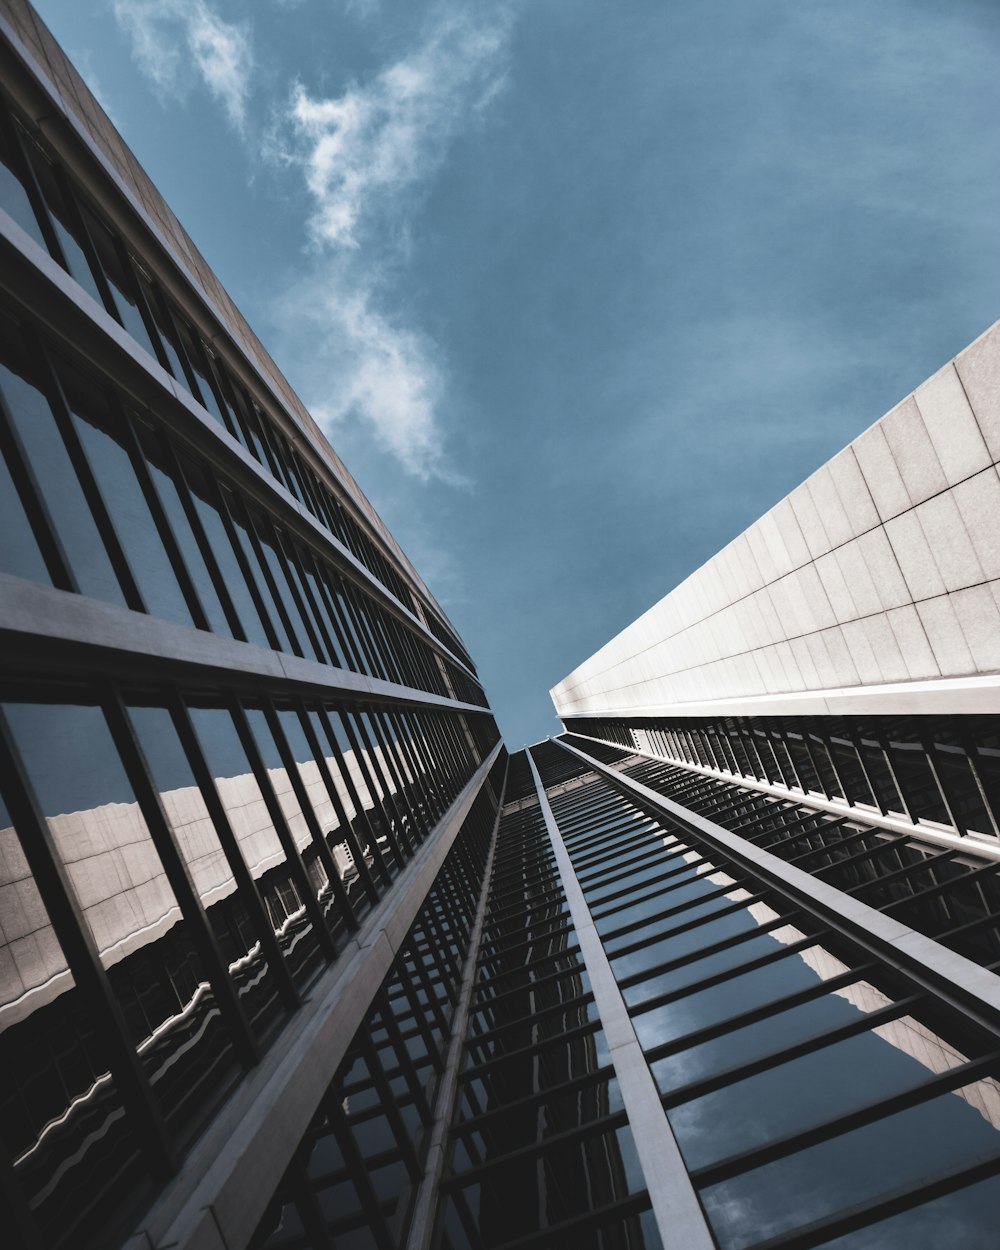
(913, 451)
(951, 426)
(978, 368)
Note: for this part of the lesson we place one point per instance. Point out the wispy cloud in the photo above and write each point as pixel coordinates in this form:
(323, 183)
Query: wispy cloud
(368, 157)
(176, 42)
(379, 141)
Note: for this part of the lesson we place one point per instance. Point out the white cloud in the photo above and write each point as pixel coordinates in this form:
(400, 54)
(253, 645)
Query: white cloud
(378, 141)
(368, 156)
(364, 366)
(174, 41)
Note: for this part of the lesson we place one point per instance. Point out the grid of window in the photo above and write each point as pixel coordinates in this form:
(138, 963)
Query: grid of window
(936, 770)
(353, 1176)
(541, 1154)
(113, 505)
(40, 195)
(948, 895)
(177, 868)
(818, 1097)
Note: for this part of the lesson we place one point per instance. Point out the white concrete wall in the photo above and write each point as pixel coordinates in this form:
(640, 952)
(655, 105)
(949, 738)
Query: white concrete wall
(874, 586)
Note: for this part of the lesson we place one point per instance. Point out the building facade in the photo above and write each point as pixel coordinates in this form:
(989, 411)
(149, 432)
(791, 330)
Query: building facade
(293, 956)
(247, 770)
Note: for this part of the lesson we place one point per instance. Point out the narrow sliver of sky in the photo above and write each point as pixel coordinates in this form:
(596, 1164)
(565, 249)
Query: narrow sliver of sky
(577, 290)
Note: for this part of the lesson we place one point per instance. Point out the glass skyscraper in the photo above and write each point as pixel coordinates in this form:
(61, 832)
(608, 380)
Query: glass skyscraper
(293, 955)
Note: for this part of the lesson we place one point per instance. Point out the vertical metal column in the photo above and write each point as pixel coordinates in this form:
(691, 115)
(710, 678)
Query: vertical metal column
(678, 1212)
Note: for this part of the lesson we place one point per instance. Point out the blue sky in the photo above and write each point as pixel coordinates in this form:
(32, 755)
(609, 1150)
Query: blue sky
(577, 289)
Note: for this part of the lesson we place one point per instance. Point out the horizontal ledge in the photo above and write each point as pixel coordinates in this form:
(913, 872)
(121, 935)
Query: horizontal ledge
(967, 844)
(961, 696)
(67, 627)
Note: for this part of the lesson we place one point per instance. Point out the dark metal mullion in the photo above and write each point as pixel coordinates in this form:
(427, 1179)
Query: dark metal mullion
(393, 753)
(303, 596)
(718, 978)
(942, 888)
(161, 521)
(256, 541)
(944, 787)
(388, 647)
(88, 484)
(180, 879)
(370, 1204)
(170, 319)
(181, 485)
(785, 831)
(322, 850)
(361, 813)
(580, 1133)
(33, 502)
(432, 786)
(817, 771)
(230, 523)
(987, 791)
(420, 1012)
(597, 905)
(720, 891)
(248, 891)
(775, 1059)
(831, 756)
(142, 303)
(344, 616)
(301, 1191)
(293, 858)
(471, 1124)
(389, 1105)
(361, 760)
(406, 1064)
(354, 615)
(904, 871)
(863, 1215)
(16, 140)
(331, 787)
(710, 1032)
(837, 845)
(388, 798)
(416, 783)
(852, 735)
(943, 1083)
(84, 960)
(328, 601)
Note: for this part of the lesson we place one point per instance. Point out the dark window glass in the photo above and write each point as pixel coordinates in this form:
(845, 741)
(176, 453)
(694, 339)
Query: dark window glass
(171, 493)
(210, 871)
(104, 442)
(14, 198)
(19, 551)
(208, 508)
(899, 1152)
(166, 336)
(121, 282)
(126, 900)
(71, 1146)
(193, 350)
(65, 221)
(45, 451)
(971, 1213)
(259, 843)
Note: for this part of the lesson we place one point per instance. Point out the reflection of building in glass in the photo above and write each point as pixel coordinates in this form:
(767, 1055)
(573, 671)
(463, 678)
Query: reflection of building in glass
(292, 956)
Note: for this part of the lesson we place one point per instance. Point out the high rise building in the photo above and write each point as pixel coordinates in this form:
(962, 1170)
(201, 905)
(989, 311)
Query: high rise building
(292, 955)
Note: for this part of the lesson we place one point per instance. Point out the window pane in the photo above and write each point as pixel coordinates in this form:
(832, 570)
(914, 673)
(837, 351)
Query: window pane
(103, 442)
(199, 844)
(71, 1146)
(126, 900)
(45, 452)
(259, 843)
(13, 197)
(19, 551)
